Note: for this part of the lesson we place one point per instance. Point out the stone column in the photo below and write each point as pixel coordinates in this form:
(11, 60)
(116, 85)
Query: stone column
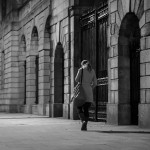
(2, 56)
(75, 45)
(118, 107)
(113, 103)
(144, 106)
(11, 77)
(44, 81)
(30, 83)
(22, 80)
(66, 58)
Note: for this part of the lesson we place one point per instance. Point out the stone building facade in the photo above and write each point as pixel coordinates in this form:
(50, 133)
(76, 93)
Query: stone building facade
(129, 24)
(40, 52)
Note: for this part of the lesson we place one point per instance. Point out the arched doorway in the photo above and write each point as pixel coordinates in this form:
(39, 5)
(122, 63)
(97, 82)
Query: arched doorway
(58, 81)
(35, 58)
(129, 65)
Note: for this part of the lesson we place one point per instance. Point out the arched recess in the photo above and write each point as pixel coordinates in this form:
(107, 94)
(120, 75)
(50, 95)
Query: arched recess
(22, 69)
(58, 80)
(129, 66)
(34, 51)
(23, 44)
(47, 35)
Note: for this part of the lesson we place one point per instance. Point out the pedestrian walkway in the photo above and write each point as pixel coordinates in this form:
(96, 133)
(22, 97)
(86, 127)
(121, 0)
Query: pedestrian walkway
(32, 132)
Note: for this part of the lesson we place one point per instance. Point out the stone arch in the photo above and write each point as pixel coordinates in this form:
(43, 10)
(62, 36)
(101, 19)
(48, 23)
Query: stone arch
(23, 44)
(129, 65)
(34, 41)
(58, 80)
(47, 34)
(126, 6)
(119, 109)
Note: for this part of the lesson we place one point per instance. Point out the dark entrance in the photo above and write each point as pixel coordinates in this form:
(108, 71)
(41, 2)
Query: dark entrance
(129, 45)
(58, 81)
(94, 48)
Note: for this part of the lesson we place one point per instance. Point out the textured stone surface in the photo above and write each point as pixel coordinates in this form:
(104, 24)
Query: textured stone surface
(51, 21)
(132, 5)
(145, 55)
(120, 9)
(144, 114)
(146, 4)
(46, 133)
(147, 96)
(142, 20)
(145, 82)
(147, 68)
(142, 69)
(125, 6)
(113, 6)
(142, 96)
(147, 15)
(118, 114)
(113, 17)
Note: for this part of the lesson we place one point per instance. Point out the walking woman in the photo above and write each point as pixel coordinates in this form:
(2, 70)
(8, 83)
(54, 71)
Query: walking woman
(89, 82)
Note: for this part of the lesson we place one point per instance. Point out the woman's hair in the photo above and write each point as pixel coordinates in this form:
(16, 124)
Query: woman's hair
(89, 67)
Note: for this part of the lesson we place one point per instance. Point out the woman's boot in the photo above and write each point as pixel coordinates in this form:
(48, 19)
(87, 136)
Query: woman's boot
(84, 126)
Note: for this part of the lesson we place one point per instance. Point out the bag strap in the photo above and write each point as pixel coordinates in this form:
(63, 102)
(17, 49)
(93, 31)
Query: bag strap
(81, 75)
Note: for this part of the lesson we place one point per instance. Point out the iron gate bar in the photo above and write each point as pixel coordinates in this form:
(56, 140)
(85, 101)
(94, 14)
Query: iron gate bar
(102, 81)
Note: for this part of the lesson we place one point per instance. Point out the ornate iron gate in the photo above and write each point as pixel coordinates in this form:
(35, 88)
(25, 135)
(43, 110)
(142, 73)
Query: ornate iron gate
(94, 48)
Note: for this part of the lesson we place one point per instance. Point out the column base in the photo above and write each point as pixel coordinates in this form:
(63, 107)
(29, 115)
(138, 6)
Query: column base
(10, 108)
(27, 109)
(144, 115)
(118, 114)
(66, 111)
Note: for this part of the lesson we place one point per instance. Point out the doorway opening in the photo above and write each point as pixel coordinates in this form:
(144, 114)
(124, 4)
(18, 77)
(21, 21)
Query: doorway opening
(129, 64)
(58, 80)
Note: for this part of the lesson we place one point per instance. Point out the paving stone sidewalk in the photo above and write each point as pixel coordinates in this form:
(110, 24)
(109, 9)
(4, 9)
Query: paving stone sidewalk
(32, 132)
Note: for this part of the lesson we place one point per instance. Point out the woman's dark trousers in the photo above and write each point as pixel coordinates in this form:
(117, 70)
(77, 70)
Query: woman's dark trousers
(83, 112)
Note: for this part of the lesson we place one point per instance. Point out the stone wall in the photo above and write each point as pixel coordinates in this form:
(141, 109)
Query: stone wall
(19, 49)
(118, 108)
(45, 34)
(144, 107)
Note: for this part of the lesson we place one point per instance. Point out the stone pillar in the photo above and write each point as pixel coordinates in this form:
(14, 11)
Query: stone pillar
(66, 57)
(44, 81)
(11, 82)
(75, 45)
(2, 59)
(144, 106)
(118, 107)
(22, 75)
(22, 80)
(113, 103)
(30, 83)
